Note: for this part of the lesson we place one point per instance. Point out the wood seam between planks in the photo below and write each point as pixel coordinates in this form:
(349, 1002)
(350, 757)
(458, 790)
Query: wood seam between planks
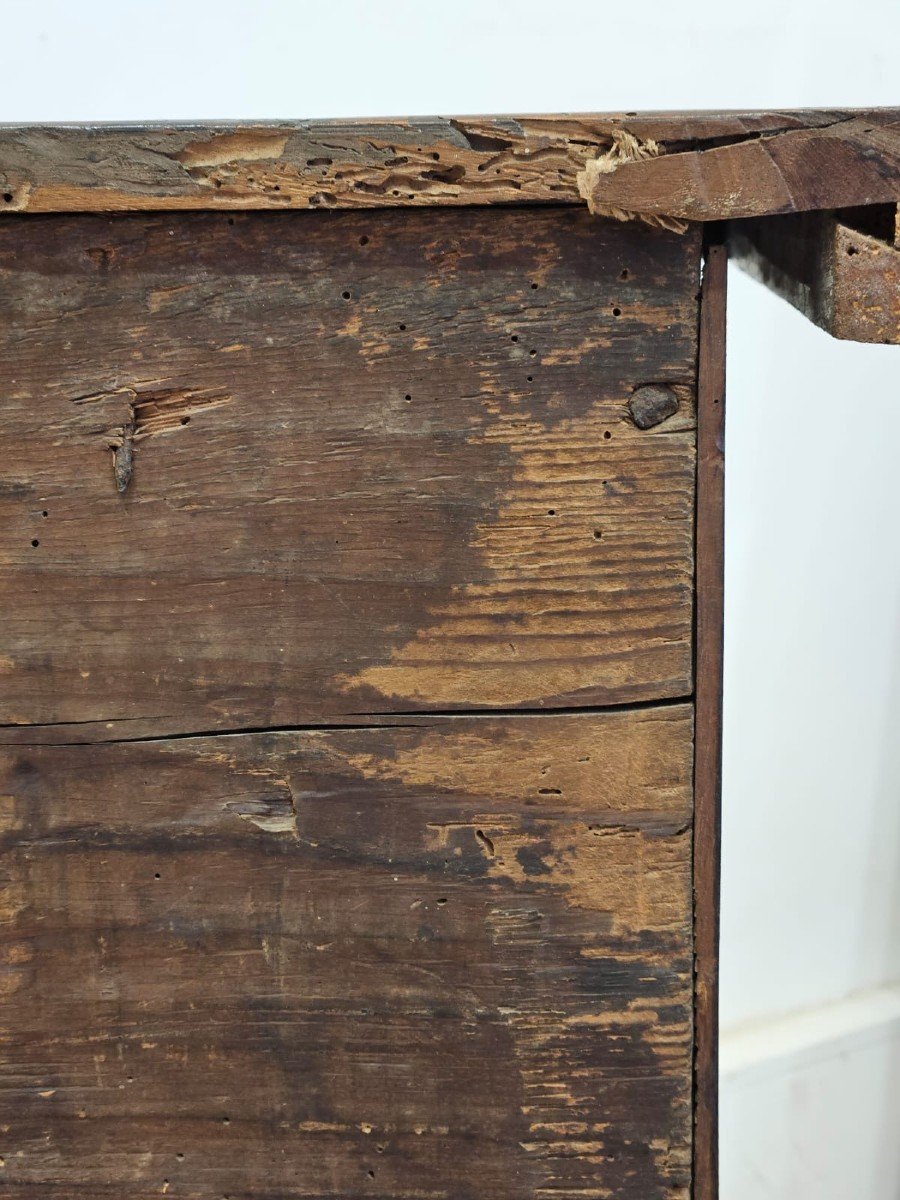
(388, 720)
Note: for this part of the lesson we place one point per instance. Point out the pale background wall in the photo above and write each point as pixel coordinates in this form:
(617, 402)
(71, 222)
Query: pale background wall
(811, 899)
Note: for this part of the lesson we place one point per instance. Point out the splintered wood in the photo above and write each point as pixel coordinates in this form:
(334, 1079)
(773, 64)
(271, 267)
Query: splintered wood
(296, 513)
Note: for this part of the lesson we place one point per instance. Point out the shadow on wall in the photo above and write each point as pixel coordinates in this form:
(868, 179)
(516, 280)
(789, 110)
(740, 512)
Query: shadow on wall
(886, 845)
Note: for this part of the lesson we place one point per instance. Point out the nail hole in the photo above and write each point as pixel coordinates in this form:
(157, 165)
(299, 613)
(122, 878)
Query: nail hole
(623, 274)
(529, 379)
(185, 420)
(345, 295)
(364, 240)
(534, 287)
(44, 513)
(598, 534)
(607, 435)
(852, 250)
(157, 875)
(617, 312)
(35, 543)
(407, 396)
(401, 328)
(514, 338)
(532, 353)
(551, 512)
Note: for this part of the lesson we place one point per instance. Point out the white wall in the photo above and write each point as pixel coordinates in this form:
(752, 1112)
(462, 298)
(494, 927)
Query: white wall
(811, 897)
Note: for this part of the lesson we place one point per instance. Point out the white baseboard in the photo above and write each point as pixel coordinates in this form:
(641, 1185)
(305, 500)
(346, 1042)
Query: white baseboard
(810, 1103)
(811, 1035)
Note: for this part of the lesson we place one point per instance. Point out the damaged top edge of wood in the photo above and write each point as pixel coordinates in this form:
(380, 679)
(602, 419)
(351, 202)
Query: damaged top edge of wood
(665, 168)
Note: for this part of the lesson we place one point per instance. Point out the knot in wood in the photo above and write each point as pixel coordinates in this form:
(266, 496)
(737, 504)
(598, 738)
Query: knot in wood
(652, 404)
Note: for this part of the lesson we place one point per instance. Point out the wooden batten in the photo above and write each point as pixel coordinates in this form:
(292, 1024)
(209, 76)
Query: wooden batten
(840, 270)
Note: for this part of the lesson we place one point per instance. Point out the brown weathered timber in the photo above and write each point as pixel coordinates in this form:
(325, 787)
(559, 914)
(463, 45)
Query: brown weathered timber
(441, 161)
(379, 462)
(710, 553)
(447, 958)
(841, 271)
(850, 159)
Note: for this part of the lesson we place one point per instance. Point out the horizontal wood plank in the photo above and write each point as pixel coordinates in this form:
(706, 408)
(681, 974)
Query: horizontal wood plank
(431, 161)
(274, 469)
(385, 962)
(853, 158)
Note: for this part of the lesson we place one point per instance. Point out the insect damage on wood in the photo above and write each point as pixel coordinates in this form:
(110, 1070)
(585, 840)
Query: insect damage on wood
(123, 456)
(150, 413)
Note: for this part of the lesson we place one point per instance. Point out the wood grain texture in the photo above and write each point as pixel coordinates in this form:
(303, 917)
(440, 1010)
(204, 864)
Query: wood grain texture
(446, 957)
(840, 270)
(708, 739)
(270, 470)
(433, 161)
(849, 159)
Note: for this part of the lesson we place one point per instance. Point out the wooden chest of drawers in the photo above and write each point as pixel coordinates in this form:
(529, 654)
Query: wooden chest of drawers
(358, 838)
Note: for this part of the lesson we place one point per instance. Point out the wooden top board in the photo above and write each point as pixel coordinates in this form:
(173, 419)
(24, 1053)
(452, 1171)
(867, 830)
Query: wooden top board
(697, 166)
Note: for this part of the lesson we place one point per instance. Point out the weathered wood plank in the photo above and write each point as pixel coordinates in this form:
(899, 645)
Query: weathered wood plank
(851, 159)
(392, 961)
(844, 277)
(363, 164)
(272, 469)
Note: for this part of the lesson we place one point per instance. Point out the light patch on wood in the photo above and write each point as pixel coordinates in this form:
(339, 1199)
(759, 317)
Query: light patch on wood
(246, 145)
(273, 812)
(624, 762)
(451, 661)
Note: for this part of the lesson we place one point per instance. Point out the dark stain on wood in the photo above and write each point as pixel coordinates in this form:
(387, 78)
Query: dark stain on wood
(203, 1004)
(414, 427)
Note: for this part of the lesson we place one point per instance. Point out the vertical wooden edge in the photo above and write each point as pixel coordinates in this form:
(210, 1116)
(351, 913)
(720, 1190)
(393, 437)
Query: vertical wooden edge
(709, 582)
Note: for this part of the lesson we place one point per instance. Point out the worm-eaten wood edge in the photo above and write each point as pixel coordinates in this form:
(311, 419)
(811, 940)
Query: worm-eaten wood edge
(842, 270)
(669, 167)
